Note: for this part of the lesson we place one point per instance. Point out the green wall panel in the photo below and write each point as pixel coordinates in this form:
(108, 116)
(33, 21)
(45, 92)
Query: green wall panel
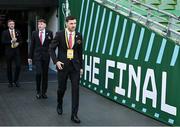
(129, 63)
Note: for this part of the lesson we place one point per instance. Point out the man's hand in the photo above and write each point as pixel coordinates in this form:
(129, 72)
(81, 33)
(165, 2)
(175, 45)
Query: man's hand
(16, 44)
(81, 72)
(59, 64)
(13, 40)
(30, 61)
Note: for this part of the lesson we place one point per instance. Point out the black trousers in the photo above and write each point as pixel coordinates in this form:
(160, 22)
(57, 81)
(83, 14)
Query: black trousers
(13, 56)
(74, 76)
(42, 67)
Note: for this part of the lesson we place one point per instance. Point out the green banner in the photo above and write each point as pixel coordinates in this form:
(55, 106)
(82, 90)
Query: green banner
(129, 63)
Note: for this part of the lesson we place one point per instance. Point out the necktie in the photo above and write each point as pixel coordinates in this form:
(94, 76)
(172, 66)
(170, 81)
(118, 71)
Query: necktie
(40, 37)
(70, 40)
(12, 34)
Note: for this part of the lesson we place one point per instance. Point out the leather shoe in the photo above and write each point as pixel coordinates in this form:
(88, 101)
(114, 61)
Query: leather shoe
(44, 96)
(75, 119)
(10, 85)
(38, 95)
(59, 109)
(17, 84)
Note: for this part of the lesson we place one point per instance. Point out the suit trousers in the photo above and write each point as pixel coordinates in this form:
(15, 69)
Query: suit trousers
(42, 67)
(74, 75)
(11, 57)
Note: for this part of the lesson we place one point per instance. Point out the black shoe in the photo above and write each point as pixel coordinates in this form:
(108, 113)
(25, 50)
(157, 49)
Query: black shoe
(10, 85)
(17, 84)
(75, 119)
(38, 96)
(44, 96)
(59, 109)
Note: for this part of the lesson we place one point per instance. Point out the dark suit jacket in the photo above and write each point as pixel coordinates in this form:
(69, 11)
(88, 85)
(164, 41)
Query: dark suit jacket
(60, 43)
(6, 40)
(38, 52)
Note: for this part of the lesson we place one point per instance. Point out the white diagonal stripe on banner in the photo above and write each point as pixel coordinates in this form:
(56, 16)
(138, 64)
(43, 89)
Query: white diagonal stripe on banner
(94, 32)
(82, 7)
(139, 43)
(149, 47)
(161, 52)
(89, 28)
(114, 35)
(130, 40)
(175, 55)
(100, 32)
(122, 38)
(107, 32)
(84, 26)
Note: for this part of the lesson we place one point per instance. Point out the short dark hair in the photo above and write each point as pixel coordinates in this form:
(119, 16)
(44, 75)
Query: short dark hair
(70, 18)
(42, 20)
(10, 20)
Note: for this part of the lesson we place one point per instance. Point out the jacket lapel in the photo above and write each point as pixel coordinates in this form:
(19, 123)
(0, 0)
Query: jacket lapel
(46, 36)
(8, 32)
(75, 40)
(37, 35)
(64, 42)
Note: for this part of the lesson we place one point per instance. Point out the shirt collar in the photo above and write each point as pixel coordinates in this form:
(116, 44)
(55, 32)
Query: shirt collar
(42, 31)
(11, 29)
(68, 32)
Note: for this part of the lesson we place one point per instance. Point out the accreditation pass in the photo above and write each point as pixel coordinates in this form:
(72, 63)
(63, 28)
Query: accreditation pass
(70, 53)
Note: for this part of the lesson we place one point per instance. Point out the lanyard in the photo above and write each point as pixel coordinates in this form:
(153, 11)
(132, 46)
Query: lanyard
(66, 38)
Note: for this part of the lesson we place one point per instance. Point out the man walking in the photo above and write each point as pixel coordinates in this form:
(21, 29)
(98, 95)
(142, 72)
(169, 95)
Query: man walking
(39, 47)
(69, 64)
(11, 38)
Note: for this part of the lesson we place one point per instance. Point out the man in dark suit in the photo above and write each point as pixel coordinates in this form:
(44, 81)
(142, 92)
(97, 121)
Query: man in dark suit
(69, 64)
(11, 38)
(39, 48)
